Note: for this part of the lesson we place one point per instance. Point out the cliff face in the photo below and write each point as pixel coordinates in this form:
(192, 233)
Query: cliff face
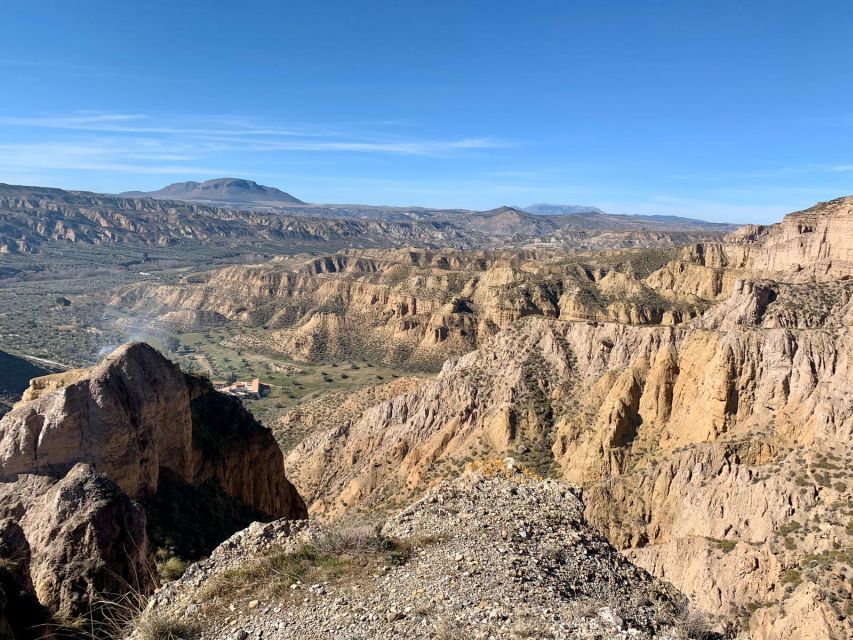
(816, 242)
(91, 459)
(410, 307)
(713, 457)
(396, 448)
(814, 245)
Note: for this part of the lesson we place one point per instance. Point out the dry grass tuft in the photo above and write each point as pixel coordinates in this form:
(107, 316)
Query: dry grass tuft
(348, 553)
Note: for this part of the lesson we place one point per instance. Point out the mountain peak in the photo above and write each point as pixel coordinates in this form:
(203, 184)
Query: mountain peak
(229, 191)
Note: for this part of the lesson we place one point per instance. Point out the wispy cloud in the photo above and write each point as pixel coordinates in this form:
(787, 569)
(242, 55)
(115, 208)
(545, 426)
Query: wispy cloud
(233, 133)
(6, 62)
(122, 156)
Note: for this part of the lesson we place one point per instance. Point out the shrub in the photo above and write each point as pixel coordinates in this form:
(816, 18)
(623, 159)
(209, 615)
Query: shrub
(789, 527)
(792, 577)
(726, 545)
(172, 569)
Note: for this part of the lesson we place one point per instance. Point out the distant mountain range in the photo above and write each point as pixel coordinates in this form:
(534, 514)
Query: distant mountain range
(587, 212)
(225, 191)
(244, 214)
(241, 193)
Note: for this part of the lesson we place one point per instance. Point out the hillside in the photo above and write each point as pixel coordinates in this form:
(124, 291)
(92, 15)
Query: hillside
(33, 219)
(715, 453)
(570, 214)
(407, 307)
(548, 209)
(698, 397)
(33, 216)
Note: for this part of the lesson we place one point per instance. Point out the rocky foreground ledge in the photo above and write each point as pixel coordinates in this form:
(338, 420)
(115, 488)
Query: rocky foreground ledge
(496, 553)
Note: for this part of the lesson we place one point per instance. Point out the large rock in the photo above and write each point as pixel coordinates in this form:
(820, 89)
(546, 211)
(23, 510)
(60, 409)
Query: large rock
(127, 416)
(135, 414)
(87, 452)
(21, 615)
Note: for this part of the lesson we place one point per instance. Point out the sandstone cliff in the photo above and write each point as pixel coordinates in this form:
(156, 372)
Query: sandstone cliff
(814, 245)
(689, 442)
(409, 307)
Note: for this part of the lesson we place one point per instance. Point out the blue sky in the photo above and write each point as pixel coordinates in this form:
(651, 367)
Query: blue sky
(737, 111)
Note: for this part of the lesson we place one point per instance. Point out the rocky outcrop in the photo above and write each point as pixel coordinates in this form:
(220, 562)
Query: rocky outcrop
(806, 615)
(95, 461)
(128, 416)
(235, 452)
(136, 414)
(813, 245)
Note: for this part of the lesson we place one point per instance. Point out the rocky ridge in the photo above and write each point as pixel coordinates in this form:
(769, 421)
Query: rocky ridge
(30, 217)
(494, 554)
(408, 307)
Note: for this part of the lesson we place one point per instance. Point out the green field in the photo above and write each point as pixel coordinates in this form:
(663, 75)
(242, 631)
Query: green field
(289, 382)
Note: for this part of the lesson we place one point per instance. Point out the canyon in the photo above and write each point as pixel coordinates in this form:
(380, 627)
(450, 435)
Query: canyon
(676, 411)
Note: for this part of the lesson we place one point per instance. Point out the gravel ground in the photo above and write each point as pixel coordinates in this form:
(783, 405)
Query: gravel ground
(495, 553)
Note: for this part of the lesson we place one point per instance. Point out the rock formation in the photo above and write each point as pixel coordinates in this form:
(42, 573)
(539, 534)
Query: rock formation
(88, 455)
(409, 307)
(242, 215)
(715, 452)
(135, 414)
(35, 218)
(700, 398)
(88, 543)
